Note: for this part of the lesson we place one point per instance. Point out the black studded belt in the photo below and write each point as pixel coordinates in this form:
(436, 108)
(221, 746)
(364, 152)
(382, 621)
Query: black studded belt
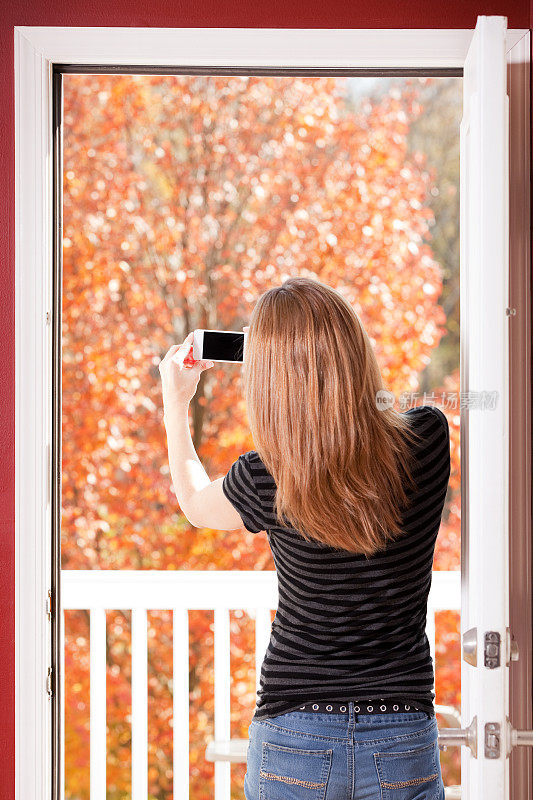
(378, 706)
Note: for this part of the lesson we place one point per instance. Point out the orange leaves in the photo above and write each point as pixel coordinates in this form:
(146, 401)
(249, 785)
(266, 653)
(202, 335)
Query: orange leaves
(186, 197)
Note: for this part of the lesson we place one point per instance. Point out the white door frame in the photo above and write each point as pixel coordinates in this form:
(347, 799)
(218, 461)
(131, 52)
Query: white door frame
(520, 410)
(37, 49)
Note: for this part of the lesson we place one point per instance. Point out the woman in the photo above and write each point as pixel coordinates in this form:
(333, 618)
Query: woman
(351, 496)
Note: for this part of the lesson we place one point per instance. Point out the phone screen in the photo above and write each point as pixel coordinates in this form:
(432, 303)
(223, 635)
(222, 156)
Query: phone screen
(223, 346)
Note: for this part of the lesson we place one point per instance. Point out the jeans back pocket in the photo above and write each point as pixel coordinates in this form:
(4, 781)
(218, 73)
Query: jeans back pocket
(409, 774)
(290, 773)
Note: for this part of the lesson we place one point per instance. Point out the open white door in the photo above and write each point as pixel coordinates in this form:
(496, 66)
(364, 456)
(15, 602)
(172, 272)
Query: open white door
(484, 423)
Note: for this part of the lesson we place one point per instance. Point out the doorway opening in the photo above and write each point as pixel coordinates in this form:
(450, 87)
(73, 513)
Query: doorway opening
(181, 197)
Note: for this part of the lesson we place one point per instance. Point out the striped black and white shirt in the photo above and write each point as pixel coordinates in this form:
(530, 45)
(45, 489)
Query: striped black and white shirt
(348, 627)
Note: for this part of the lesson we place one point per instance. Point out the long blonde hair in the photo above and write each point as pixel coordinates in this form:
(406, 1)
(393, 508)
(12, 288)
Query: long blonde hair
(310, 379)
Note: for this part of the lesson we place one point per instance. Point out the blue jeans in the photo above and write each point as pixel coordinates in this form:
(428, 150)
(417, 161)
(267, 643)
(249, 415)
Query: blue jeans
(305, 756)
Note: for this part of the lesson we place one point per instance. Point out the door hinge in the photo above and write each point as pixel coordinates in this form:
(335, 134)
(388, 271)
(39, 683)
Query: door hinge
(49, 682)
(49, 605)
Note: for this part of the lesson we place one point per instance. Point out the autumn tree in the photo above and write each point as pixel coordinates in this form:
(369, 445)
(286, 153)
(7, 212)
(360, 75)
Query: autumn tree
(185, 198)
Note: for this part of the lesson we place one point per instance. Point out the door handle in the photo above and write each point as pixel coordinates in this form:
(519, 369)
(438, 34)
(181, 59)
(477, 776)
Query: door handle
(456, 737)
(521, 738)
(470, 646)
(491, 648)
(518, 738)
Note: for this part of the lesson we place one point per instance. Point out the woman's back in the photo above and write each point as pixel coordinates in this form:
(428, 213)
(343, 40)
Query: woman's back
(349, 627)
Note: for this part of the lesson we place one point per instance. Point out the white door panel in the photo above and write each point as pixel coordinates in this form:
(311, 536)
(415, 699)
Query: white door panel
(485, 429)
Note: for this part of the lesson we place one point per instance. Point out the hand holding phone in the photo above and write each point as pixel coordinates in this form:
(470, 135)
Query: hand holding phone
(224, 346)
(180, 376)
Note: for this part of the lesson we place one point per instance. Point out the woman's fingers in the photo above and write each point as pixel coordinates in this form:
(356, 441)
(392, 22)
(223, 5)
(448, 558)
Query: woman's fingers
(187, 342)
(178, 352)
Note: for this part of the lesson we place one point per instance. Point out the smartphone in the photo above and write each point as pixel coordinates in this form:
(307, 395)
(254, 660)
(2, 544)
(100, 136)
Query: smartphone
(226, 346)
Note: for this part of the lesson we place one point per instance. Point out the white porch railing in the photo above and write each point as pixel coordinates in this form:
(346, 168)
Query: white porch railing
(220, 591)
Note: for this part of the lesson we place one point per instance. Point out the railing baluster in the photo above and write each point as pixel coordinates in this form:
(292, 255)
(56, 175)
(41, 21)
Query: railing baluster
(262, 636)
(98, 738)
(180, 702)
(222, 698)
(139, 704)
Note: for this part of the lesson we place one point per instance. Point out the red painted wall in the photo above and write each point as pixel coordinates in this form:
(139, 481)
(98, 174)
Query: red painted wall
(158, 13)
